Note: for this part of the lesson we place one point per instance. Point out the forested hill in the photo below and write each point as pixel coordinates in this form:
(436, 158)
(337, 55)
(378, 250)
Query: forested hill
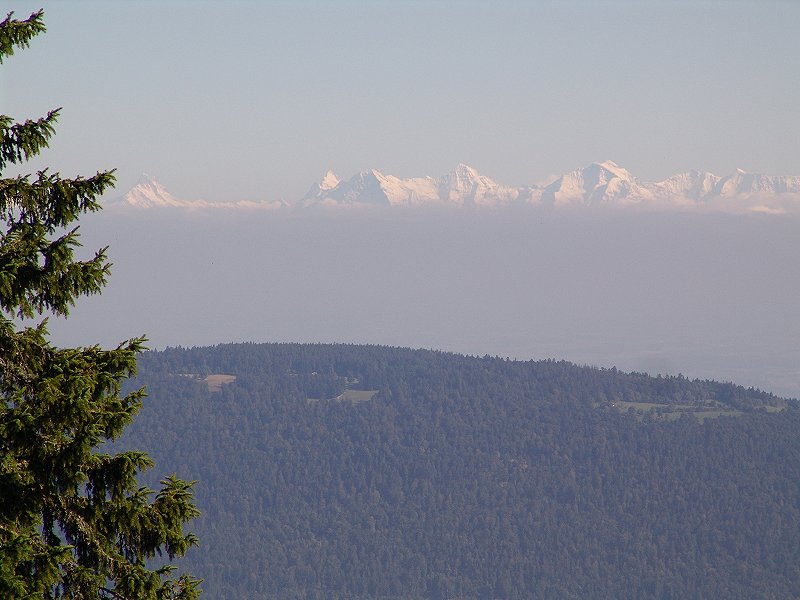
(356, 472)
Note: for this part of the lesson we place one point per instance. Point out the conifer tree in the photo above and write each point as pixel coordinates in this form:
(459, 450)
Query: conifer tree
(74, 522)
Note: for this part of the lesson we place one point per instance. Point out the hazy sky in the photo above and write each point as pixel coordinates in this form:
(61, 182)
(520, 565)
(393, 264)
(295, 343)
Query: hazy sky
(256, 100)
(711, 296)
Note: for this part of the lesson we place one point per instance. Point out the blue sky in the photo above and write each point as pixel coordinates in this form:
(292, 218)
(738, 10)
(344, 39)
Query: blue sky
(256, 100)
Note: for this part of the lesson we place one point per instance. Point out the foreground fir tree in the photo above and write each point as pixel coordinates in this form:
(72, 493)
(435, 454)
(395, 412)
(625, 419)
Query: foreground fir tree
(74, 522)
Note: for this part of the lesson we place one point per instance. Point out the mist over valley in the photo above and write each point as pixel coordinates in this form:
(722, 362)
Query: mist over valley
(709, 296)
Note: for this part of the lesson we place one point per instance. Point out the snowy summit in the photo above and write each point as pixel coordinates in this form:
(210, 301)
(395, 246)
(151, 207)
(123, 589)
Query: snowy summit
(149, 193)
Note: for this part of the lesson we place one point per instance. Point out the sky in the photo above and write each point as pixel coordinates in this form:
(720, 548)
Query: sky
(257, 100)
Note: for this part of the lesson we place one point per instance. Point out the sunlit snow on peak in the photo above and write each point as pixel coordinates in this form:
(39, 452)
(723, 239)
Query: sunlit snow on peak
(603, 184)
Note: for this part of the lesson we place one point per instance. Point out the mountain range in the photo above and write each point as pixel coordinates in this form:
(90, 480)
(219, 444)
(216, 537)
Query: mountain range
(601, 184)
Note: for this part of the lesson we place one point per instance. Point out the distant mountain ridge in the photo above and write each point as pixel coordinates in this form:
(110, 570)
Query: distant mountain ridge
(600, 184)
(463, 186)
(149, 193)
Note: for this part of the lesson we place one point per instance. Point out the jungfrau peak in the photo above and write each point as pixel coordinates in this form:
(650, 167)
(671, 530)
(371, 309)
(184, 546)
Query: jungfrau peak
(407, 192)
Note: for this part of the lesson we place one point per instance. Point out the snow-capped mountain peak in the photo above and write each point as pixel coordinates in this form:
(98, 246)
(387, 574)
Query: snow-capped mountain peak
(609, 166)
(463, 170)
(148, 193)
(321, 189)
(462, 178)
(330, 180)
(600, 183)
(465, 186)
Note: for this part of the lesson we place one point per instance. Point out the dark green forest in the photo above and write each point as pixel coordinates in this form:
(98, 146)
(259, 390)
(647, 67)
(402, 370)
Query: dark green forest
(367, 472)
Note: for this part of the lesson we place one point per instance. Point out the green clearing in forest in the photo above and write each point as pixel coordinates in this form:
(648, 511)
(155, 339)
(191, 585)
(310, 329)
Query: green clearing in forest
(671, 412)
(356, 396)
(351, 396)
